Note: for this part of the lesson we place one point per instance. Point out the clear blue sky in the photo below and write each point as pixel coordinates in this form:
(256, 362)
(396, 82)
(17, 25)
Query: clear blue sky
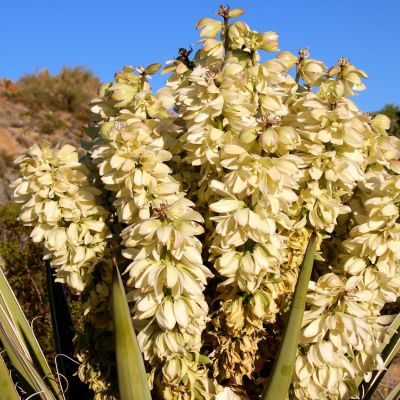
(105, 35)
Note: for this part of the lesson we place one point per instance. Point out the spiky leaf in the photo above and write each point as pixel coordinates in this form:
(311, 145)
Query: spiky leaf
(132, 380)
(367, 389)
(394, 394)
(279, 382)
(7, 389)
(23, 335)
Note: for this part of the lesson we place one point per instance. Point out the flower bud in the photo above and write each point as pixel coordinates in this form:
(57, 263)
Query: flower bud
(381, 123)
(312, 71)
(210, 27)
(269, 140)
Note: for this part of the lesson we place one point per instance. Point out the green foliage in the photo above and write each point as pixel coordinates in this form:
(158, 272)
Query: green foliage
(70, 90)
(395, 393)
(132, 381)
(50, 122)
(25, 270)
(22, 347)
(26, 356)
(279, 381)
(6, 383)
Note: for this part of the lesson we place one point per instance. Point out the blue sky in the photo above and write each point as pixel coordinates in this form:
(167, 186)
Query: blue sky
(105, 35)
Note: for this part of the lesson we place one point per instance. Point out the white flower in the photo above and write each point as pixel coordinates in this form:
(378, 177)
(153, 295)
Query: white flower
(227, 394)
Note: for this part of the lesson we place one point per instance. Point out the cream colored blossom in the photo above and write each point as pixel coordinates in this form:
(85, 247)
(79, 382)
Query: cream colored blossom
(62, 206)
(166, 276)
(312, 71)
(229, 168)
(227, 394)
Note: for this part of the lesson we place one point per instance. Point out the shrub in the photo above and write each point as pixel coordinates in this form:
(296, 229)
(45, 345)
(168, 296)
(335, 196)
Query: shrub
(70, 90)
(50, 122)
(25, 270)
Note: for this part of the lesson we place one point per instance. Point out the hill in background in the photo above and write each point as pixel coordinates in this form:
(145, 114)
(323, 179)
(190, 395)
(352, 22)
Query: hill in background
(42, 106)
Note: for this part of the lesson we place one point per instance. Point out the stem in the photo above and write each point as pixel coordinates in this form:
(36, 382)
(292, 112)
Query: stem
(254, 57)
(227, 45)
(142, 81)
(220, 122)
(298, 66)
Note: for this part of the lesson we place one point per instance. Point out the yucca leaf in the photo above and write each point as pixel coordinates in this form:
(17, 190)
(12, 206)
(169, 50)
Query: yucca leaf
(10, 304)
(132, 380)
(20, 357)
(394, 394)
(7, 388)
(367, 389)
(8, 330)
(36, 381)
(63, 332)
(279, 381)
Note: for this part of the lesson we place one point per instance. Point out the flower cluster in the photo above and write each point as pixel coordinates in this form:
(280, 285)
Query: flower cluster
(277, 159)
(231, 107)
(61, 204)
(61, 201)
(217, 182)
(344, 307)
(166, 274)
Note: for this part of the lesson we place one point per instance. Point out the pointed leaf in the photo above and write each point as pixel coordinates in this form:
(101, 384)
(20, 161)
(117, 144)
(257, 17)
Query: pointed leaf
(9, 302)
(390, 331)
(277, 387)
(7, 388)
(8, 330)
(132, 379)
(36, 381)
(394, 394)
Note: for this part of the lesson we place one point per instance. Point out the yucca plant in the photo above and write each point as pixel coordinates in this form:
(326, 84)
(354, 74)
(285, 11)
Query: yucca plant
(207, 194)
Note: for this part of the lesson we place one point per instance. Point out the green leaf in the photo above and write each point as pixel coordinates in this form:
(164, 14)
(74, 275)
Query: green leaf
(279, 381)
(25, 366)
(13, 316)
(7, 329)
(7, 388)
(394, 394)
(132, 379)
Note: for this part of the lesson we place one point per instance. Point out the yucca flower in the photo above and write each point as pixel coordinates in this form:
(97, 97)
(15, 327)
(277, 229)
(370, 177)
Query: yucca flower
(215, 184)
(60, 203)
(167, 275)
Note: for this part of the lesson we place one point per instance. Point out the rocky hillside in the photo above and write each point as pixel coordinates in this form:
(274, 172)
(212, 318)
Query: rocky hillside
(42, 107)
